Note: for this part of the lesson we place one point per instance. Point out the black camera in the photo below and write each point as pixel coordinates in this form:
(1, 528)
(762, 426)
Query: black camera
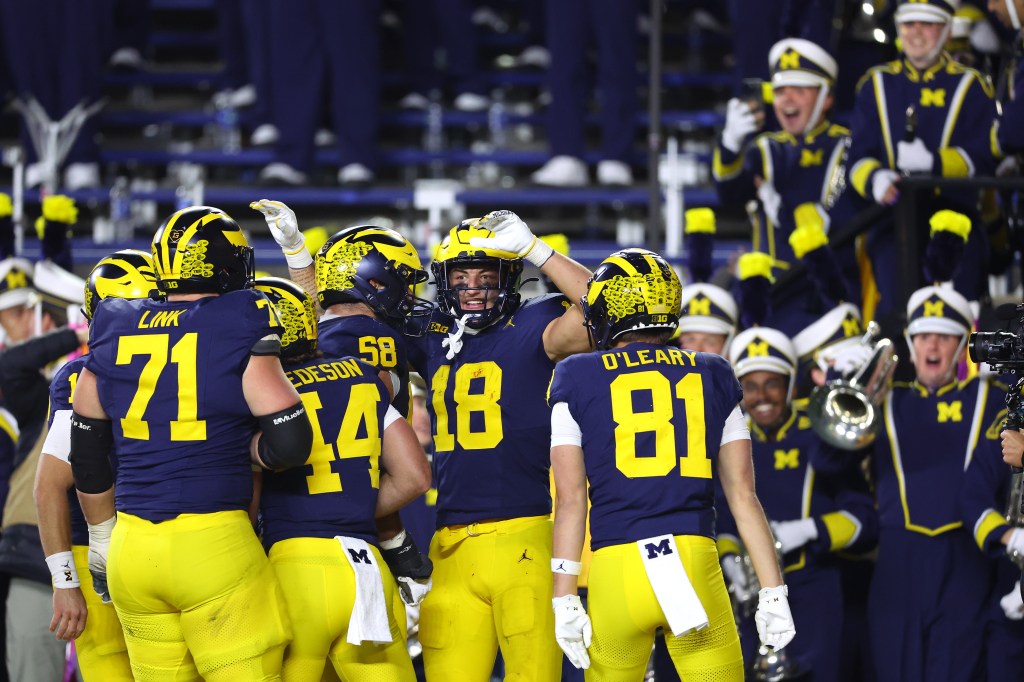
(1004, 350)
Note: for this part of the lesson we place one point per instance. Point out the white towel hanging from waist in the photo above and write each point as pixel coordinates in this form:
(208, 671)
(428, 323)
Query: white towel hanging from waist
(369, 619)
(672, 586)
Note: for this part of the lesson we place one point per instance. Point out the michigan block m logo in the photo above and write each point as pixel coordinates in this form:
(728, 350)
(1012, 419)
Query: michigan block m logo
(662, 548)
(360, 557)
(950, 412)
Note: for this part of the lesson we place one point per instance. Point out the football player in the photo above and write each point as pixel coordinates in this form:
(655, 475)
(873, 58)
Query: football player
(364, 278)
(616, 419)
(318, 520)
(190, 392)
(79, 612)
(487, 359)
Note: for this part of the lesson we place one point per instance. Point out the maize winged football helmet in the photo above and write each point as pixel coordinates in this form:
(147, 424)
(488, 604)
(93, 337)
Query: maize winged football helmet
(631, 290)
(200, 249)
(298, 316)
(455, 252)
(127, 273)
(376, 266)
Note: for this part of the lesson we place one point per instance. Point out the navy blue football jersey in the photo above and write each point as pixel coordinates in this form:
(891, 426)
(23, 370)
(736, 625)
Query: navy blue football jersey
(335, 493)
(62, 392)
(652, 419)
(169, 374)
(373, 342)
(492, 427)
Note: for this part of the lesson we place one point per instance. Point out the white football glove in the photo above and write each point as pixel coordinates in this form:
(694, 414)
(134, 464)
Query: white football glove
(1013, 605)
(413, 591)
(513, 235)
(881, 181)
(99, 544)
(284, 227)
(773, 618)
(572, 629)
(770, 200)
(737, 577)
(740, 122)
(794, 534)
(914, 157)
(844, 358)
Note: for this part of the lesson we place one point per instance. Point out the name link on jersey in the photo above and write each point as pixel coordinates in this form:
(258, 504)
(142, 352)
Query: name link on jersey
(161, 318)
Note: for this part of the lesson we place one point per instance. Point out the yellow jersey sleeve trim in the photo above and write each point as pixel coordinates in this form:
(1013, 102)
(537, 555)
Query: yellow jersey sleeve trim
(988, 522)
(842, 528)
(725, 171)
(955, 163)
(862, 171)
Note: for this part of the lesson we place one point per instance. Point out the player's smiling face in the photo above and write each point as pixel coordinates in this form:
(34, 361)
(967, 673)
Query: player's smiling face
(764, 397)
(478, 287)
(934, 358)
(794, 106)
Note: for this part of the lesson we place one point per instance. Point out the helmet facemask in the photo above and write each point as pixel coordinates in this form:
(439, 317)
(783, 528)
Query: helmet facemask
(507, 288)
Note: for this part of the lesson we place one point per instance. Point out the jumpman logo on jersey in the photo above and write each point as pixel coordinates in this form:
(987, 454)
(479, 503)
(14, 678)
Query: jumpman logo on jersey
(524, 557)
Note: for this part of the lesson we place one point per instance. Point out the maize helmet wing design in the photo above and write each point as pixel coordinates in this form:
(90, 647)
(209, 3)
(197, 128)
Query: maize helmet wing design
(127, 273)
(631, 290)
(297, 313)
(200, 249)
(455, 252)
(376, 266)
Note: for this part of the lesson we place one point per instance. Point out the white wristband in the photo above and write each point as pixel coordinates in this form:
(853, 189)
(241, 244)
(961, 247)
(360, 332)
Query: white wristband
(566, 567)
(539, 252)
(62, 570)
(299, 258)
(395, 542)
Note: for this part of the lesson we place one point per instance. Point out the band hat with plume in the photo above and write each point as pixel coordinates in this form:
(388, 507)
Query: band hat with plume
(928, 11)
(16, 287)
(799, 62)
(840, 325)
(700, 237)
(708, 309)
(762, 349)
(938, 310)
(943, 255)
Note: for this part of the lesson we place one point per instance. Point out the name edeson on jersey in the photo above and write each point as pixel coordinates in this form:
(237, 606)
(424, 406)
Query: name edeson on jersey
(635, 358)
(325, 371)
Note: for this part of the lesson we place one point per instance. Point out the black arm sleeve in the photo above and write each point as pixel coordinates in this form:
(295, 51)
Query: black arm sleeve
(287, 438)
(21, 380)
(91, 443)
(406, 561)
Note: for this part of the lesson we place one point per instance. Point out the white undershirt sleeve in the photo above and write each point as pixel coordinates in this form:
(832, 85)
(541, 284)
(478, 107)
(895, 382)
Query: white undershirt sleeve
(564, 429)
(391, 416)
(58, 440)
(735, 427)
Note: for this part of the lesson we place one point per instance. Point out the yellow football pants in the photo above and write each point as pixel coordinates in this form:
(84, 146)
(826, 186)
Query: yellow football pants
(492, 588)
(102, 653)
(625, 613)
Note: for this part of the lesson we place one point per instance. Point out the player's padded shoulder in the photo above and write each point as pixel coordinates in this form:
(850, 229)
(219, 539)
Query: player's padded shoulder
(561, 379)
(61, 387)
(540, 310)
(723, 375)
